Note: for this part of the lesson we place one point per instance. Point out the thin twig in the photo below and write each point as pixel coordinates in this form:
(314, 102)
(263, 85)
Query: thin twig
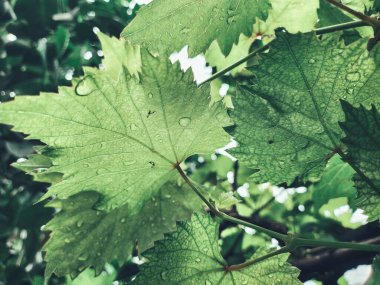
(371, 21)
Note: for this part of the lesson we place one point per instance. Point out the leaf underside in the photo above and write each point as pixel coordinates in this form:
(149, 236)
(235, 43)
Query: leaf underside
(120, 133)
(191, 256)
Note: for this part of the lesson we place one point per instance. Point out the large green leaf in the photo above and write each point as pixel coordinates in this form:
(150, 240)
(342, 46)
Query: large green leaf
(120, 136)
(191, 256)
(362, 129)
(166, 25)
(287, 117)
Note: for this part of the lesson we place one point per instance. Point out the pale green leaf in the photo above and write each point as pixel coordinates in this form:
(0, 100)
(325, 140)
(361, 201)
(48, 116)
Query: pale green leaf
(362, 129)
(293, 15)
(191, 256)
(287, 118)
(120, 136)
(166, 25)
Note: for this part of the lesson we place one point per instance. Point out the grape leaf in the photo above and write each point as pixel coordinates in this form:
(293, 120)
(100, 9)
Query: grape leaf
(83, 236)
(287, 118)
(336, 181)
(120, 136)
(293, 15)
(362, 129)
(196, 23)
(191, 255)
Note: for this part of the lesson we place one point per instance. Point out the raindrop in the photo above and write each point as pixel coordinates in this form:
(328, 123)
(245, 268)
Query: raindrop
(312, 61)
(150, 95)
(67, 240)
(244, 282)
(353, 76)
(82, 258)
(164, 275)
(133, 127)
(127, 163)
(185, 121)
(205, 249)
(168, 196)
(79, 224)
(198, 260)
(350, 91)
(230, 20)
(122, 220)
(101, 171)
(185, 30)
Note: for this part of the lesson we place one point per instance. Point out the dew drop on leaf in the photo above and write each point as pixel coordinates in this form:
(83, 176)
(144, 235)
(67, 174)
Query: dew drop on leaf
(82, 258)
(164, 275)
(353, 76)
(312, 61)
(67, 240)
(122, 220)
(150, 95)
(185, 121)
(198, 260)
(79, 224)
(244, 282)
(133, 127)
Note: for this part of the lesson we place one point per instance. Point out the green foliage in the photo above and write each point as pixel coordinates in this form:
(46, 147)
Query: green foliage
(336, 181)
(197, 260)
(221, 20)
(363, 141)
(287, 118)
(130, 150)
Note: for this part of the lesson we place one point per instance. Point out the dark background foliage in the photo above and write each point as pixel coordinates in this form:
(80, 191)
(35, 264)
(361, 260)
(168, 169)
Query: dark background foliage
(44, 44)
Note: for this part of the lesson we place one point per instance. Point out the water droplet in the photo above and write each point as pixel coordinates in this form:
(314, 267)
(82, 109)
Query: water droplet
(244, 282)
(281, 263)
(312, 61)
(122, 220)
(101, 171)
(79, 224)
(185, 121)
(98, 254)
(298, 103)
(230, 20)
(350, 91)
(130, 162)
(67, 240)
(164, 275)
(185, 30)
(205, 249)
(353, 76)
(82, 258)
(198, 260)
(168, 196)
(133, 127)
(150, 95)
(221, 18)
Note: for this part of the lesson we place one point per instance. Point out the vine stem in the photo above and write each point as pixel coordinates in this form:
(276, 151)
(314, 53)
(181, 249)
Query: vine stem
(240, 266)
(371, 21)
(291, 241)
(320, 31)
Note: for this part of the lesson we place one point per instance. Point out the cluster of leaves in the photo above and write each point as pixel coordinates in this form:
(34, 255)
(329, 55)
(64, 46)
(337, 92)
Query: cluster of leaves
(117, 141)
